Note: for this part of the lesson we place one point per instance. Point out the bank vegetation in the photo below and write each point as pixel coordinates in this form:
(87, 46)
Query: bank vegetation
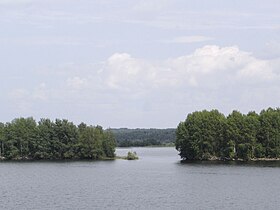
(209, 135)
(26, 139)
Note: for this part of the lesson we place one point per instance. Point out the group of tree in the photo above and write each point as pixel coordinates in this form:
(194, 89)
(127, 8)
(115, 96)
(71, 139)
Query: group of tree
(24, 138)
(143, 137)
(209, 134)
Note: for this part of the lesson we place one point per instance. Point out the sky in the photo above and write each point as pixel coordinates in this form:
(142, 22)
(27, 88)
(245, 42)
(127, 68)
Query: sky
(137, 64)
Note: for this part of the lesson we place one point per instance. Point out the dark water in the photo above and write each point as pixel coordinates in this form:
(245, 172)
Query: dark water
(157, 181)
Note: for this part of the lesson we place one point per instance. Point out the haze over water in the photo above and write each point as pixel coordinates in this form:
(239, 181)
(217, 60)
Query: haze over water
(156, 181)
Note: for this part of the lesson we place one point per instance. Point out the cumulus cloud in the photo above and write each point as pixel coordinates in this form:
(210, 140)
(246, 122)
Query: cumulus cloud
(225, 78)
(122, 71)
(125, 87)
(209, 66)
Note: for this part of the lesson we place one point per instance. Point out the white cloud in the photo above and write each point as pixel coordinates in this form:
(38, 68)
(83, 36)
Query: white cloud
(225, 78)
(125, 72)
(209, 66)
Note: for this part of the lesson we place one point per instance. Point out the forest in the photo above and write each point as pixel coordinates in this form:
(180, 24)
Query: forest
(144, 137)
(25, 139)
(206, 135)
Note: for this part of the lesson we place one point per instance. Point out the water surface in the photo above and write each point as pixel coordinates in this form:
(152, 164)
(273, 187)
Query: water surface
(156, 181)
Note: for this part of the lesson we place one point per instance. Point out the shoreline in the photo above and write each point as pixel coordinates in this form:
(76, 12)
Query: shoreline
(150, 146)
(56, 160)
(63, 160)
(215, 159)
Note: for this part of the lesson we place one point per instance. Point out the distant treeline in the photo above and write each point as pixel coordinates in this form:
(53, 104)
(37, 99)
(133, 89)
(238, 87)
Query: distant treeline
(24, 138)
(143, 137)
(210, 135)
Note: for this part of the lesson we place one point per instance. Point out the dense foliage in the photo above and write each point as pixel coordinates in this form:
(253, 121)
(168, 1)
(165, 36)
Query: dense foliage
(143, 137)
(209, 134)
(24, 138)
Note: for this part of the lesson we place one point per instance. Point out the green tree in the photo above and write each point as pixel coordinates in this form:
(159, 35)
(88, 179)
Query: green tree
(23, 138)
(109, 144)
(90, 142)
(45, 143)
(269, 132)
(201, 135)
(241, 130)
(19, 138)
(65, 137)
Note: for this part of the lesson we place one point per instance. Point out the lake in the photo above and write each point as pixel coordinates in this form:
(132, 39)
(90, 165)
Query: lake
(156, 181)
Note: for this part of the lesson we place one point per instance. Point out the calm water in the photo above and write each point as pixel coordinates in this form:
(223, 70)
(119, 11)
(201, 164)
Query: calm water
(157, 181)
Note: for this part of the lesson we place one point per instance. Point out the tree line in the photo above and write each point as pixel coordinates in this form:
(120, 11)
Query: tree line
(140, 137)
(24, 138)
(208, 135)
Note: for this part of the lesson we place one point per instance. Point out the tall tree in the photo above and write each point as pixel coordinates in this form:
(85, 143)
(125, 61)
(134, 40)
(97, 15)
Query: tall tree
(269, 132)
(109, 144)
(200, 136)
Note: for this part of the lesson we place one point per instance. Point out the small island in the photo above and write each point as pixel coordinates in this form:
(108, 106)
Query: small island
(209, 135)
(131, 156)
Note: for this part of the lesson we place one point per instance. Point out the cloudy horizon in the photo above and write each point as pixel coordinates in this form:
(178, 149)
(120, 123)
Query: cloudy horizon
(144, 64)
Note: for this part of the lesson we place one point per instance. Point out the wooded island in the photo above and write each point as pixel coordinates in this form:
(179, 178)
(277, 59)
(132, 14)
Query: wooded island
(25, 139)
(206, 135)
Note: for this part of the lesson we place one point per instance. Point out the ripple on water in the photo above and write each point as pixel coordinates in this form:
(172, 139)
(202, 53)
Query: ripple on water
(156, 181)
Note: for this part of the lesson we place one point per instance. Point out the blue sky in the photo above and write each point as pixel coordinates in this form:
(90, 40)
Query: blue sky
(137, 63)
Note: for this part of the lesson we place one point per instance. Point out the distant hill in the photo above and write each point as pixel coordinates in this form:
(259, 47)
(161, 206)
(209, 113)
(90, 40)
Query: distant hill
(126, 137)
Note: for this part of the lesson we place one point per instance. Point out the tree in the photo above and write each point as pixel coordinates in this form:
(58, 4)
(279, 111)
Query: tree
(45, 143)
(90, 142)
(2, 139)
(201, 135)
(109, 144)
(23, 138)
(66, 137)
(19, 137)
(239, 136)
(143, 137)
(269, 132)
(242, 130)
